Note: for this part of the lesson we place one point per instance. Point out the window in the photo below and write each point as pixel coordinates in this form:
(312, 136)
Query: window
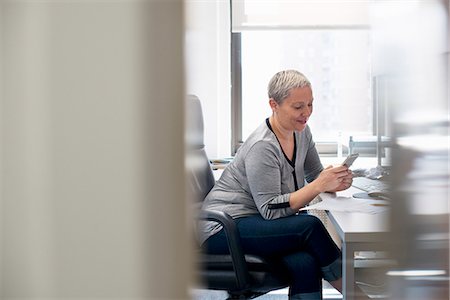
(334, 52)
(337, 62)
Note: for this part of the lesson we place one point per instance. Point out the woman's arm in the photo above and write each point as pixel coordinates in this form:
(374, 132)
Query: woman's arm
(263, 172)
(319, 179)
(264, 177)
(330, 179)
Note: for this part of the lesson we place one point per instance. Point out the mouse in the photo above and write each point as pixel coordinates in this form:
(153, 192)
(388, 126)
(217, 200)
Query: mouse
(379, 195)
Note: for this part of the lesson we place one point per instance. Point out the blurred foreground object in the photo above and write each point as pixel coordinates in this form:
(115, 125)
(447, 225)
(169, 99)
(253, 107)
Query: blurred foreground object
(411, 49)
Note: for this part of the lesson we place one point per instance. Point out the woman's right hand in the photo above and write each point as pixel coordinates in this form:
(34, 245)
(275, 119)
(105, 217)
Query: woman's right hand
(331, 178)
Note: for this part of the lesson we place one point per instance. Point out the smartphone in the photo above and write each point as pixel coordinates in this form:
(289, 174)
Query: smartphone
(350, 159)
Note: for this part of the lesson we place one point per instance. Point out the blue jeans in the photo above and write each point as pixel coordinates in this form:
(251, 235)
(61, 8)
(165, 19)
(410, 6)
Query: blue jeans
(300, 242)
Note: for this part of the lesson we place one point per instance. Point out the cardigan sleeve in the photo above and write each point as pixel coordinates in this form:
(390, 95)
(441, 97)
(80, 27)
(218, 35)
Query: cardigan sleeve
(263, 170)
(312, 164)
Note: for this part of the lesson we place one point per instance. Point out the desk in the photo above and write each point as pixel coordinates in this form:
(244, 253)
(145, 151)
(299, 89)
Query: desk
(357, 232)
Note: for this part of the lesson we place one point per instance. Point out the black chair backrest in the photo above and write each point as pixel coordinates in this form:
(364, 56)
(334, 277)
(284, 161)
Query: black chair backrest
(222, 272)
(199, 172)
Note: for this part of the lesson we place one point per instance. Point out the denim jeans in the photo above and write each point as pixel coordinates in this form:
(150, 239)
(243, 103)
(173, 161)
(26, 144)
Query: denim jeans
(300, 242)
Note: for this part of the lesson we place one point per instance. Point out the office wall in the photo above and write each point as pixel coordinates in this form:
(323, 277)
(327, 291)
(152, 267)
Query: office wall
(92, 192)
(207, 53)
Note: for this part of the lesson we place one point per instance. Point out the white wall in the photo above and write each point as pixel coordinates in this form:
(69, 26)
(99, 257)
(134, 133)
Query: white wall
(208, 69)
(91, 147)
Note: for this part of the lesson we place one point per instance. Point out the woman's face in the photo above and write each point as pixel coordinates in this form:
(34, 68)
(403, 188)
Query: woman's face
(294, 111)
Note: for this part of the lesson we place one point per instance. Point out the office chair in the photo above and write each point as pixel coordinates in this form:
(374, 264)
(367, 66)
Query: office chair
(242, 276)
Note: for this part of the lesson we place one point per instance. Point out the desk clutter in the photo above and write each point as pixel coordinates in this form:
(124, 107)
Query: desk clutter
(374, 183)
(378, 172)
(220, 163)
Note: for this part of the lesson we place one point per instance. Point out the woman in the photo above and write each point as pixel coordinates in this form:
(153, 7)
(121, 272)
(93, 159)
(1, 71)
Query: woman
(264, 187)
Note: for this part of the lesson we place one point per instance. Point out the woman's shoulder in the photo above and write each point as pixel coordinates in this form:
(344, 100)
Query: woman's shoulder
(262, 134)
(261, 138)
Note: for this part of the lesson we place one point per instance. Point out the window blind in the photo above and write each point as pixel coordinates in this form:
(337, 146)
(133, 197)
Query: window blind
(284, 14)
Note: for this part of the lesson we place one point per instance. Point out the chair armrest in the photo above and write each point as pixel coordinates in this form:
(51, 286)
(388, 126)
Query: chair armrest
(234, 243)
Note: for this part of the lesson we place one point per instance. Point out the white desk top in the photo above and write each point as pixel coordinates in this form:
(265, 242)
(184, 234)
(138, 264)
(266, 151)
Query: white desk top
(358, 227)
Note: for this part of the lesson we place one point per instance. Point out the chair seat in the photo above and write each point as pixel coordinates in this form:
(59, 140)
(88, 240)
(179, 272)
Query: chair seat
(217, 272)
(224, 262)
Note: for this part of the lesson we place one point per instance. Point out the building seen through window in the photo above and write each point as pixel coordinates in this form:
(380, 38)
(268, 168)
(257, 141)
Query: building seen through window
(337, 62)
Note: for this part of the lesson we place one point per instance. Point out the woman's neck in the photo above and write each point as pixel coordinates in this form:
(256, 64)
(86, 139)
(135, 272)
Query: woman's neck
(280, 132)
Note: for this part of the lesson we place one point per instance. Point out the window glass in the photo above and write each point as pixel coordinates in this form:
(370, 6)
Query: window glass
(336, 61)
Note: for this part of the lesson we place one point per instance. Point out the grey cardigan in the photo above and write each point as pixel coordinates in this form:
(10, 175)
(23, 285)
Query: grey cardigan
(260, 178)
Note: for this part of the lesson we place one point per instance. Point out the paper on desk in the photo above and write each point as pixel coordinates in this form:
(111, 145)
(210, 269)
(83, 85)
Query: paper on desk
(349, 204)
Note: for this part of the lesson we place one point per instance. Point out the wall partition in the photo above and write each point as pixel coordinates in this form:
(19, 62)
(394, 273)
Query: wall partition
(91, 103)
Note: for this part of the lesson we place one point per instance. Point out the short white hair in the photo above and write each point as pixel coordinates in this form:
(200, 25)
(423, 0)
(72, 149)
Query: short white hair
(282, 82)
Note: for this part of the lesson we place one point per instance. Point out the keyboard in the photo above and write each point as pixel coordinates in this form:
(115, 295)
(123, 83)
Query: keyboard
(370, 185)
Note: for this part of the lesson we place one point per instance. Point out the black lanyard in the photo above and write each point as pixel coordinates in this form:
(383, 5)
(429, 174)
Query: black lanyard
(294, 158)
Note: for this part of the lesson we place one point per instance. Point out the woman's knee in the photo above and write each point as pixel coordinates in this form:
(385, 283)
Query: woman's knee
(304, 227)
(314, 224)
(316, 221)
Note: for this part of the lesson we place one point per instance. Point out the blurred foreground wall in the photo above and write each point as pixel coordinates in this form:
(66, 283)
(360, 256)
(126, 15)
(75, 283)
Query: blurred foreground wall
(411, 46)
(91, 122)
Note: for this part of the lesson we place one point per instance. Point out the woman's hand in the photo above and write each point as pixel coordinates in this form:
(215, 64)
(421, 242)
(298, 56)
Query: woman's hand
(346, 182)
(331, 179)
(334, 179)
